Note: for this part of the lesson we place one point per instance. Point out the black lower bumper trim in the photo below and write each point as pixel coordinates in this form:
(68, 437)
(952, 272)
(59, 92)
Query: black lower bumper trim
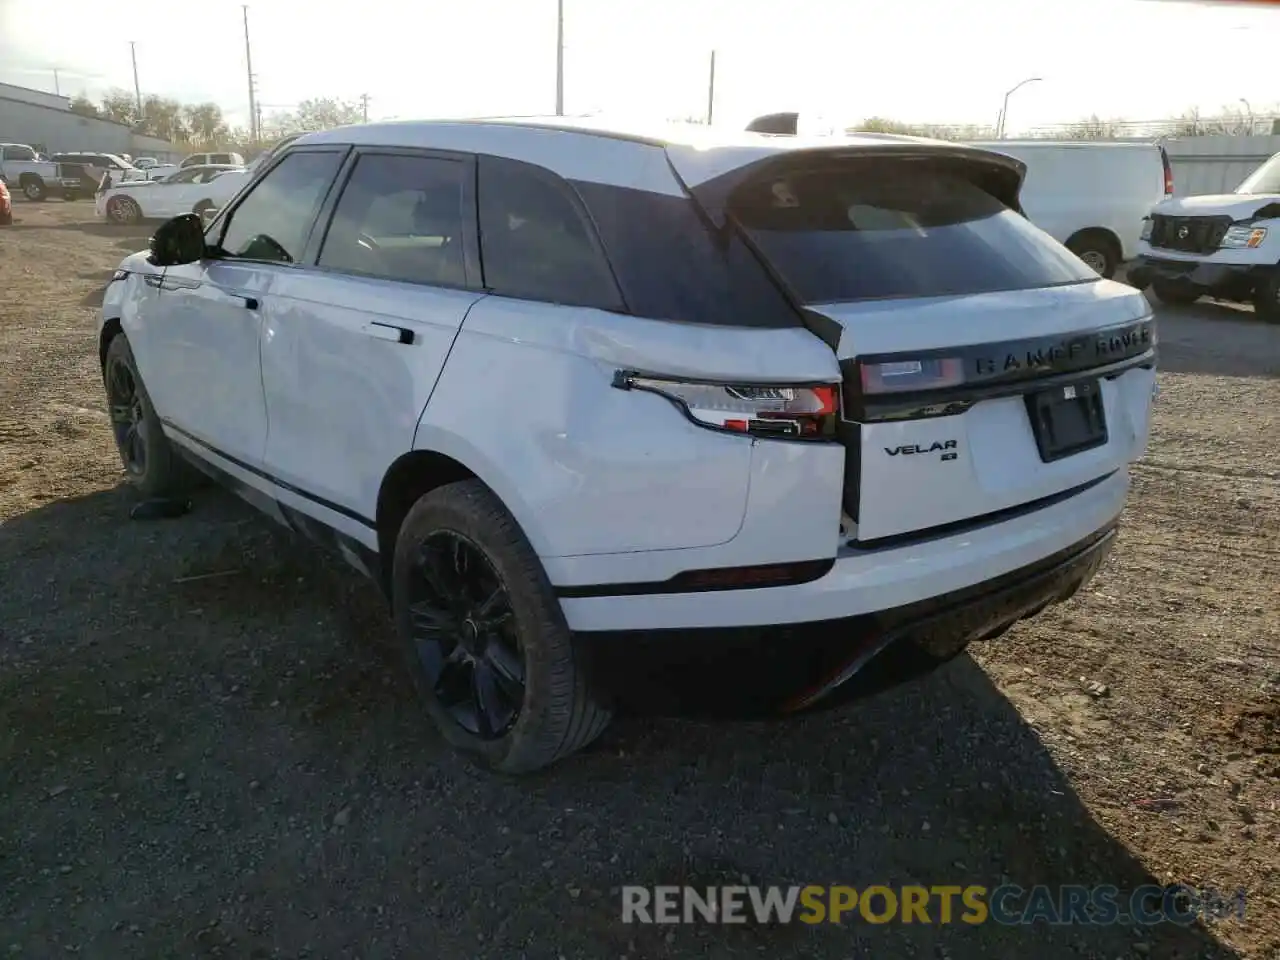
(1146, 270)
(761, 671)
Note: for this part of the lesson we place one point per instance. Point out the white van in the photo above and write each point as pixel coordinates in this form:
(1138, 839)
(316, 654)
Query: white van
(1092, 197)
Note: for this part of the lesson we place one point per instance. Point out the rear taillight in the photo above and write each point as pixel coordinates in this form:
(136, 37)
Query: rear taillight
(802, 412)
(1168, 173)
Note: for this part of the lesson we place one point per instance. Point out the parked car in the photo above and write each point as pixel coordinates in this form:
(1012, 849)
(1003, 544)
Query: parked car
(568, 392)
(136, 200)
(1091, 197)
(88, 169)
(6, 205)
(153, 169)
(34, 178)
(1225, 246)
(213, 159)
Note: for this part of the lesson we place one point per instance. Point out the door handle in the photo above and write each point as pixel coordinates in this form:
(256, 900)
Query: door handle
(388, 331)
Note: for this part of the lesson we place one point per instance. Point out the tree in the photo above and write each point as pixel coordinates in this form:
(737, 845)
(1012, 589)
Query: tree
(204, 123)
(120, 106)
(1093, 128)
(85, 107)
(326, 113)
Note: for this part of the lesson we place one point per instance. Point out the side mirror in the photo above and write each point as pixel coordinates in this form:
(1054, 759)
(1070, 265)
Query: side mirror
(207, 214)
(180, 240)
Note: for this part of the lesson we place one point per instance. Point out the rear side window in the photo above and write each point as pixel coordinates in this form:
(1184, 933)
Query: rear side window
(19, 153)
(536, 242)
(672, 265)
(874, 230)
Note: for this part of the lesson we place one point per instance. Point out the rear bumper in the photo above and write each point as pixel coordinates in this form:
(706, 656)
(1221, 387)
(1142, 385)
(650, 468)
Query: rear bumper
(1145, 270)
(792, 668)
(869, 581)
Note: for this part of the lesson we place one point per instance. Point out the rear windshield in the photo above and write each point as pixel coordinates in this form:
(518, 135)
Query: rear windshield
(865, 231)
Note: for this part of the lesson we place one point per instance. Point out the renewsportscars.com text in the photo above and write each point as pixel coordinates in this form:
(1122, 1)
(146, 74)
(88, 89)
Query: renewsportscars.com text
(971, 904)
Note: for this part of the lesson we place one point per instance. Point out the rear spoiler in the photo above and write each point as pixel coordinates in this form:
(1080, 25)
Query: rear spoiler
(1000, 175)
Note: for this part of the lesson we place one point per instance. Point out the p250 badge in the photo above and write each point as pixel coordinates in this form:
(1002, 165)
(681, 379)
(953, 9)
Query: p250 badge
(945, 448)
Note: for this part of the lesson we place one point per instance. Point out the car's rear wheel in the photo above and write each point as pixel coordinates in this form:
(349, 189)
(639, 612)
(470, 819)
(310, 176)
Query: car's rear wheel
(1098, 250)
(1174, 293)
(150, 462)
(484, 638)
(1266, 296)
(123, 210)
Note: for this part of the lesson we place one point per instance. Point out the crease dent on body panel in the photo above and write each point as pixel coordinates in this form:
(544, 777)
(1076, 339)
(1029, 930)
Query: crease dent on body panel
(417, 423)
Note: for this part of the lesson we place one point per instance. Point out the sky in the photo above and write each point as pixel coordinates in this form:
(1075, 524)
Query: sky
(920, 61)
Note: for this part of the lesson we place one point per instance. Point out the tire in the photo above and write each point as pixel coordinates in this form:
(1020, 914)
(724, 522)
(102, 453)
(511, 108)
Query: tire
(1097, 249)
(33, 188)
(548, 707)
(160, 471)
(123, 211)
(1175, 294)
(1266, 297)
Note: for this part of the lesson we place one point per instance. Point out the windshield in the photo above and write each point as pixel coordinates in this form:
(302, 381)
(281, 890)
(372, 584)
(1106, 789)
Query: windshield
(1266, 179)
(871, 230)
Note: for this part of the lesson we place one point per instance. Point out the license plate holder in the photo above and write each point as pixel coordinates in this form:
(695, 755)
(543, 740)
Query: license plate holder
(1068, 419)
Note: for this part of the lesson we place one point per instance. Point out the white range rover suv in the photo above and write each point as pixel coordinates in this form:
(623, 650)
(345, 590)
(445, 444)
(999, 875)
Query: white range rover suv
(568, 392)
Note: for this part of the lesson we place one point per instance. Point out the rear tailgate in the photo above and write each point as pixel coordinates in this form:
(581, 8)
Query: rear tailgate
(986, 369)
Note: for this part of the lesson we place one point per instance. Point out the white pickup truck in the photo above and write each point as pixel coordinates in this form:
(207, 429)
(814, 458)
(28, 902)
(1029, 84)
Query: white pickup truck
(34, 178)
(1222, 245)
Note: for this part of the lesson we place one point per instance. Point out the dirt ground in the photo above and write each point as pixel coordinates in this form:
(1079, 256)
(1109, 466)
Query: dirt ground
(232, 766)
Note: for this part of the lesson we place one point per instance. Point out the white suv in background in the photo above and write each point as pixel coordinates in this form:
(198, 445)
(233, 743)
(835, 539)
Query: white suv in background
(570, 394)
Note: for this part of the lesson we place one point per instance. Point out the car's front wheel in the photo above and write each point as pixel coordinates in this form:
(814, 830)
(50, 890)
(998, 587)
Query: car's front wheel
(484, 637)
(123, 210)
(1266, 296)
(150, 462)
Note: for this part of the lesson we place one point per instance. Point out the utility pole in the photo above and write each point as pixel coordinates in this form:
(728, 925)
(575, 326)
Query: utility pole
(711, 90)
(559, 58)
(57, 88)
(1004, 110)
(137, 90)
(254, 130)
(364, 106)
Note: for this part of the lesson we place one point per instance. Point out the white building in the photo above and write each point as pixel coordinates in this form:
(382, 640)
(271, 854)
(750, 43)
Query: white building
(45, 121)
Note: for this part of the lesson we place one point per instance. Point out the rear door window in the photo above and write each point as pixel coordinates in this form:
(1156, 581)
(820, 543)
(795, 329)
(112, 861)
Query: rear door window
(401, 218)
(864, 230)
(536, 241)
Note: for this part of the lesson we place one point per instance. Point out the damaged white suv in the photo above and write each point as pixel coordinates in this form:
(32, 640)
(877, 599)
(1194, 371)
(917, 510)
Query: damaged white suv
(580, 397)
(1225, 246)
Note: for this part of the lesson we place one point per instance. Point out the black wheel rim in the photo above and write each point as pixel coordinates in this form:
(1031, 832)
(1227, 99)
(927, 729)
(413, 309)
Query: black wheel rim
(127, 422)
(464, 633)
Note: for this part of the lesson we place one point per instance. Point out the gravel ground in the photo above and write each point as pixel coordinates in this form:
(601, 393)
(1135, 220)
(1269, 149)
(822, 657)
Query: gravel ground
(232, 766)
